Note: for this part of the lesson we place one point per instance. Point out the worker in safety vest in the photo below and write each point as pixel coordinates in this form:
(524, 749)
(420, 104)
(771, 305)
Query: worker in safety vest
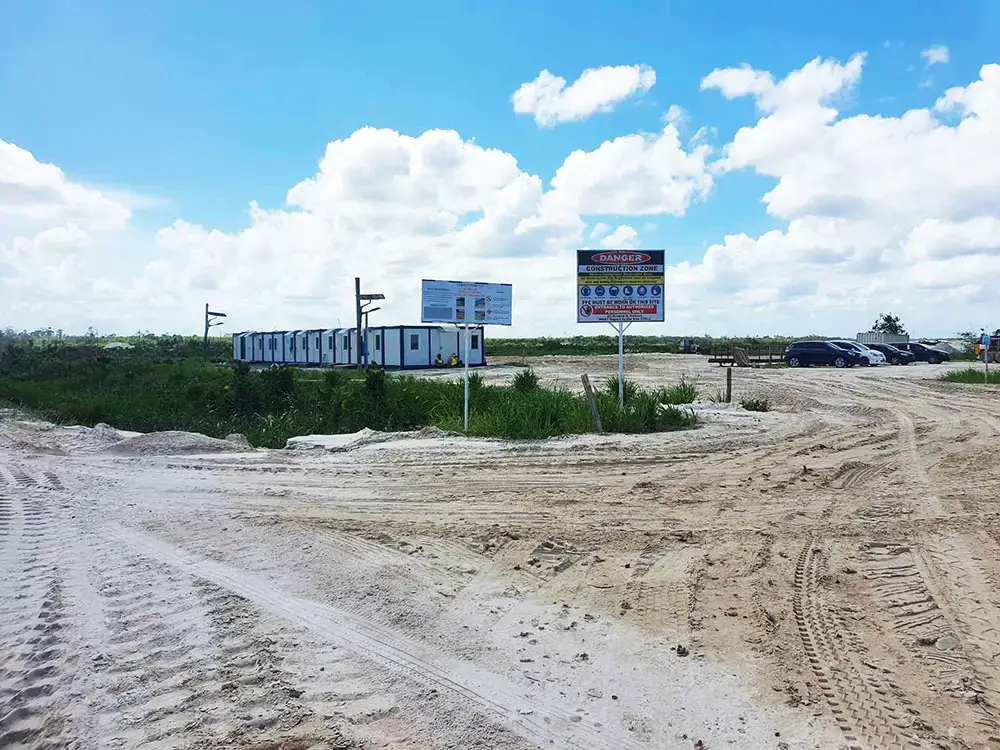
(453, 360)
(439, 361)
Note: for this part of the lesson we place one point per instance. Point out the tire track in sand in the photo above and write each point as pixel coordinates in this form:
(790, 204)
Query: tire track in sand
(925, 624)
(533, 717)
(185, 658)
(37, 660)
(860, 705)
(976, 610)
(914, 467)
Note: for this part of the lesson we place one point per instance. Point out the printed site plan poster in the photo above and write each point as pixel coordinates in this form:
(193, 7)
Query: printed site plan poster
(619, 286)
(462, 302)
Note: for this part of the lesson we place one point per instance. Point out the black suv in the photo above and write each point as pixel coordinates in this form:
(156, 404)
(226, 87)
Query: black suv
(893, 354)
(924, 353)
(805, 353)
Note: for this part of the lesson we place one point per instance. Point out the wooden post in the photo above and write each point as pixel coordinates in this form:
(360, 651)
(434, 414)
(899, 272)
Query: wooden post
(589, 390)
(357, 310)
(204, 346)
(729, 385)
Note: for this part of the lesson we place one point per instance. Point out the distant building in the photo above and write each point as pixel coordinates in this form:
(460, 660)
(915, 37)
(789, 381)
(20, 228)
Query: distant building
(391, 347)
(878, 337)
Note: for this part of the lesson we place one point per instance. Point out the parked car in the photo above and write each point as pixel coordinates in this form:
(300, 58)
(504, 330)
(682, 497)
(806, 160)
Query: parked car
(871, 356)
(924, 353)
(805, 353)
(894, 355)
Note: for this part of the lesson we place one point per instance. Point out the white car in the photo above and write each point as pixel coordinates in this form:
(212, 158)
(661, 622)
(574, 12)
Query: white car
(874, 357)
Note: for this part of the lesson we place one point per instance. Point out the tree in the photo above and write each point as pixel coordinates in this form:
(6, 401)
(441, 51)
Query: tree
(889, 323)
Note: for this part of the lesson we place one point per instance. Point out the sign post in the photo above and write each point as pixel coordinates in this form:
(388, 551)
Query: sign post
(984, 343)
(620, 287)
(461, 303)
(466, 358)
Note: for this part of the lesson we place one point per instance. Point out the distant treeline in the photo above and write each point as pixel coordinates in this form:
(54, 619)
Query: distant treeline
(583, 345)
(220, 348)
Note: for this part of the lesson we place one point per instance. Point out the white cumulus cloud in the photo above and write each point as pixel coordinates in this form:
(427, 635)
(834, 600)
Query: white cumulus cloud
(550, 101)
(936, 55)
(622, 237)
(880, 211)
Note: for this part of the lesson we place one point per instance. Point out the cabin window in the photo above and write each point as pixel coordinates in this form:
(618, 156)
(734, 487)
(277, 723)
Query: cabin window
(329, 342)
(346, 343)
(475, 342)
(378, 343)
(414, 342)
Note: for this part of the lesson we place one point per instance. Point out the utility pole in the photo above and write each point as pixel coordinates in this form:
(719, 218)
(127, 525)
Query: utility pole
(357, 305)
(210, 320)
(367, 299)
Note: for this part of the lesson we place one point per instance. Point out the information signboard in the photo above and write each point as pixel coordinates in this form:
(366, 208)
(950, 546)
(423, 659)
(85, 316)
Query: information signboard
(619, 286)
(465, 302)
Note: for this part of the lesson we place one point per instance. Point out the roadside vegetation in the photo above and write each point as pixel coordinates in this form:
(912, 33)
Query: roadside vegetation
(592, 345)
(757, 402)
(162, 386)
(973, 376)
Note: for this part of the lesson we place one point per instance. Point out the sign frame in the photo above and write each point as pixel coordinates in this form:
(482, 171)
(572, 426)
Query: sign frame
(620, 286)
(491, 303)
(446, 296)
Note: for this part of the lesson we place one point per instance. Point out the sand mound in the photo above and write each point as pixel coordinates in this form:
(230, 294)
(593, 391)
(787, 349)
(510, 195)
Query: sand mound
(45, 437)
(172, 443)
(238, 439)
(338, 443)
(362, 438)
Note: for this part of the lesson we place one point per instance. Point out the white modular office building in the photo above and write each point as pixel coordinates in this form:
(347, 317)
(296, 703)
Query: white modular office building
(391, 347)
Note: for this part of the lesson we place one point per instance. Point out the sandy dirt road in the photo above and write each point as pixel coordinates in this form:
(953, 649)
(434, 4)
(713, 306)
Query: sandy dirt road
(826, 575)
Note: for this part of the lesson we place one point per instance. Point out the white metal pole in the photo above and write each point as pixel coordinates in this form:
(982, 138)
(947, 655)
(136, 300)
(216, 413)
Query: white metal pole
(621, 364)
(466, 377)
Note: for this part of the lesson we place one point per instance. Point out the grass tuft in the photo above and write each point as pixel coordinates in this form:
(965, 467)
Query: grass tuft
(525, 381)
(972, 376)
(756, 403)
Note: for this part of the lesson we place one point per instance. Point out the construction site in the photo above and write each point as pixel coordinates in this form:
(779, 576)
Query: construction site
(821, 575)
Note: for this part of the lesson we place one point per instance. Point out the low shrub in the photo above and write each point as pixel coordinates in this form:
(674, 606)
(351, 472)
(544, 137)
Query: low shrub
(685, 392)
(629, 388)
(756, 403)
(526, 380)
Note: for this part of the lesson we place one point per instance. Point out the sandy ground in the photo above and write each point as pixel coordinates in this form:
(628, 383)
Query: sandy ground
(825, 575)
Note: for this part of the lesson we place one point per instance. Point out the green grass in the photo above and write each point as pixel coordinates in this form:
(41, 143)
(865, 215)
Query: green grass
(526, 380)
(972, 375)
(756, 403)
(147, 390)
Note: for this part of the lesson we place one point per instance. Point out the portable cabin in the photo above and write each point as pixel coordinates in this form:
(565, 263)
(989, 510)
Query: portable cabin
(449, 340)
(240, 346)
(258, 347)
(301, 347)
(344, 342)
(328, 352)
(266, 354)
(374, 340)
(314, 349)
(288, 340)
(277, 346)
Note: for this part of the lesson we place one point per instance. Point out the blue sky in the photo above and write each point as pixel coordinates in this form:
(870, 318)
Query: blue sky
(195, 109)
(212, 105)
